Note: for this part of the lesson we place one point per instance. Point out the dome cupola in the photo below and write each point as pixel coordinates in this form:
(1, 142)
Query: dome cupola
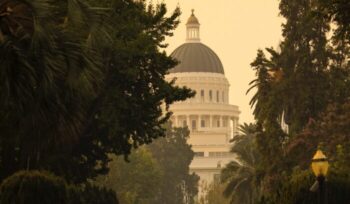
(192, 20)
(192, 28)
(194, 56)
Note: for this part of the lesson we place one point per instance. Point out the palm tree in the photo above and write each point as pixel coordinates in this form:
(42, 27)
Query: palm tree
(240, 176)
(48, 75)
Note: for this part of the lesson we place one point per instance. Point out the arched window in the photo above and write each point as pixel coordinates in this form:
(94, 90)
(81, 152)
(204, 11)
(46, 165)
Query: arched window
(217, 96)
(210, 95)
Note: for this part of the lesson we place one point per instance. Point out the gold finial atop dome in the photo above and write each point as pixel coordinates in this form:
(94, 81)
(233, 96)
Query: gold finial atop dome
(192, 20)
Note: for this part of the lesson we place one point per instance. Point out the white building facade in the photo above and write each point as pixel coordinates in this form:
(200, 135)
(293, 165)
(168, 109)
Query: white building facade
(212, 120)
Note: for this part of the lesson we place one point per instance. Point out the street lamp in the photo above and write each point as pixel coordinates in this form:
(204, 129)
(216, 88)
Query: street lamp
(319, 166)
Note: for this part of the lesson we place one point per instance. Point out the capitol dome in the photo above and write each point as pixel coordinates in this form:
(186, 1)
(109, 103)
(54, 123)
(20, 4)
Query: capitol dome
(194, 56)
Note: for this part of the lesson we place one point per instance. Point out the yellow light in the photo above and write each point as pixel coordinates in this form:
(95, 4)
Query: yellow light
(319, 164)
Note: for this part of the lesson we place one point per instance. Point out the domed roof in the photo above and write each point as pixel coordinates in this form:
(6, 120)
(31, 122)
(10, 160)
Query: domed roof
(196, 57)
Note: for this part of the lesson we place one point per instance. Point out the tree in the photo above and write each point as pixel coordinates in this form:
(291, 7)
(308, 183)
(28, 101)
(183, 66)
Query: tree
(295, 187)
(156, 173)
(137, 181)
(80, 82)
(295, 75)
(297, 81)
(240, 177)
(295, 84)
(331, 130)
(91, 194)
(33, 186)
(43, 72)
(337, 12)
(214, 195)
(174, 155)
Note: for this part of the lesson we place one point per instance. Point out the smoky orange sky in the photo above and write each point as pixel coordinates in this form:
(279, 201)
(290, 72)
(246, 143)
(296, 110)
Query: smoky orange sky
(234, 29)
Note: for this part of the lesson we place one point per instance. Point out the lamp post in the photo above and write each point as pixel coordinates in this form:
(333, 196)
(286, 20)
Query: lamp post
(319, 165)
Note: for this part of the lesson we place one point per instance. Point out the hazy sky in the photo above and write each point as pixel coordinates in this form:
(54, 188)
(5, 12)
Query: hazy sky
(234, 29)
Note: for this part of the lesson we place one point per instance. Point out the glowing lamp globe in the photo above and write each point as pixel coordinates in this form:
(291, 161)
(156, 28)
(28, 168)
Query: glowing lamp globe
(319, 164)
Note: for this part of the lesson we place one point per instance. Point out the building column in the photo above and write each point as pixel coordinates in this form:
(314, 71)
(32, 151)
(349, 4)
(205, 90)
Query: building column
(221, 121)
(235, 126)
(210, 121)
(198, 122)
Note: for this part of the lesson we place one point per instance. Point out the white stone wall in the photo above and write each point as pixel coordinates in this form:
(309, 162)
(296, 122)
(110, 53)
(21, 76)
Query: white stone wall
(210, 118)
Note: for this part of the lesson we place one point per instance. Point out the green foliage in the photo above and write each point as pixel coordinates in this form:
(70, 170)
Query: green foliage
(240, 177)
(47, 78)
(295, 78)
(296, 84)
(136, 181)
(33, 187)
(295, 189)
(44, 187)
(174, 155)
(80, 82)
(214, 194)
(337, 11)
(89, 194)
(331, 130)
(157, 173)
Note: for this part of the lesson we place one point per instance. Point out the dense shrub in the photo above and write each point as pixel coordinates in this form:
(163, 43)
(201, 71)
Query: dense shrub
(33, 187)
(89, 194)
(296, 189)
(27, 187)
